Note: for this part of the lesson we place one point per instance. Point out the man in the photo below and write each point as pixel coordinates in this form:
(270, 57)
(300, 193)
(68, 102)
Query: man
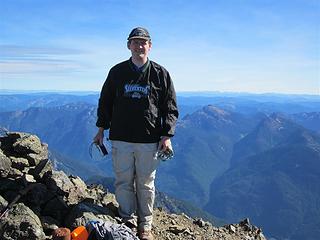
(138, 104)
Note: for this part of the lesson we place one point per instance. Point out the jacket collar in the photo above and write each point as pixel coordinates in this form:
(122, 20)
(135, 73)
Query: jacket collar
(139, 69)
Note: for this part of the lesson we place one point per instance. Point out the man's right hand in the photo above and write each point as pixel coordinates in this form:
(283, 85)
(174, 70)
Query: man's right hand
(98, 139)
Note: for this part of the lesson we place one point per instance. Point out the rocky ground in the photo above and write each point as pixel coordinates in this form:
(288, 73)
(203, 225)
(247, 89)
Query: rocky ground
(172, 226)
(45, 199)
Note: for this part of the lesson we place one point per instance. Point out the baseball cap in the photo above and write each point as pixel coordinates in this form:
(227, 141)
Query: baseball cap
(139, 32)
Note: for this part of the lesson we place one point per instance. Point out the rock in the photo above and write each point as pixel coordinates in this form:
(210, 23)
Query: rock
(245, 221)
(188, 232)
(260, 236)
(78, 183)
(20, 224)
(15, 173)
(5, 165)
(26, 144)
(49, 224)
(38, 195)
(35, 158)
(246, 225)
(84, 212)
(176, 229)
(7, 141)
(19, 163)
(3, 203)
(77, 192)
(59, 182)
(75, 196)
(44, 167)
(232, 228)
(27, 178)
(56, 208)
(100, 196)
(200, 222)
(109, 199)
(113, 208)
(7, 184)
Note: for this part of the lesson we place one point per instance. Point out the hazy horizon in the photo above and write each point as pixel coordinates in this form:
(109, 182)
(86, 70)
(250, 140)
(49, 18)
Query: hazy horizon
(189, 93)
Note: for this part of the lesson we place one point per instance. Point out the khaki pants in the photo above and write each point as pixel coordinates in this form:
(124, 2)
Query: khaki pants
(135, 166)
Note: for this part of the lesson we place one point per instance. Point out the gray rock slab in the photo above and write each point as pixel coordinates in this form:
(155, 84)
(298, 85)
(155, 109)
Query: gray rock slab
(20, 224)
(27, 144)
(5, 165)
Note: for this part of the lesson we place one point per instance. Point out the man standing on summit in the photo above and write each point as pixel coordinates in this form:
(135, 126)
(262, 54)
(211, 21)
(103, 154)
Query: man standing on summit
(138, 104)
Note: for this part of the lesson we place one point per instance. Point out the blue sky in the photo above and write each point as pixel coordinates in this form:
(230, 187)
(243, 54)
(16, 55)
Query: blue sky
(219, 45)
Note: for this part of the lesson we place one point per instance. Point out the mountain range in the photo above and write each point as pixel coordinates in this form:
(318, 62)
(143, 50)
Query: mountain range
(234, 156)
(203, 145)
(188, 102)
(274, 178)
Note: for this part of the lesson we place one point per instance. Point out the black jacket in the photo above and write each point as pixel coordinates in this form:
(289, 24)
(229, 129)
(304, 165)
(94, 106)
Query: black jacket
(138, 106)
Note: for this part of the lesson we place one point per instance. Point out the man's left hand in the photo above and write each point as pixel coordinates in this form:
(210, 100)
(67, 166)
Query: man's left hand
(165, 143)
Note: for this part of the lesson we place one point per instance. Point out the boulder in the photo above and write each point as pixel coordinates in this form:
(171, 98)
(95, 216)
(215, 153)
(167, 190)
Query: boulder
(7, 185)
(19, 163)
(15, 173)
(43, 168)
(83, 212)
(24, 145)
(5, 165)
(27, 144)
(7, 141)
(59, 182)
(49, 224)
(78, 192)
(35, 158)
(56, 208)
(20, 224)
(38, 195)
(3, 203)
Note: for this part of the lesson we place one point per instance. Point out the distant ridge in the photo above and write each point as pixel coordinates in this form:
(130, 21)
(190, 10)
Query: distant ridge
(274, 177)
(40, 92)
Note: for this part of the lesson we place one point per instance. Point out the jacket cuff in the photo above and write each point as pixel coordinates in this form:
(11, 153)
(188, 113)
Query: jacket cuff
(106, 126)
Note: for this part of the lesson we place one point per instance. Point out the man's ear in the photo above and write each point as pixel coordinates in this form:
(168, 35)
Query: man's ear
(128, 45)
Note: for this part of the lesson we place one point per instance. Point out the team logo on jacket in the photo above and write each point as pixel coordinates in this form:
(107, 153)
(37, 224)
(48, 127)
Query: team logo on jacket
(136, 90)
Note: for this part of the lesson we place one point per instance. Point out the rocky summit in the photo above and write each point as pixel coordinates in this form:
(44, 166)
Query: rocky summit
(36, 199)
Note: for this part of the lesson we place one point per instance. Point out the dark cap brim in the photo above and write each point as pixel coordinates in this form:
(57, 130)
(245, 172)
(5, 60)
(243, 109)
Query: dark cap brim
(139, 37)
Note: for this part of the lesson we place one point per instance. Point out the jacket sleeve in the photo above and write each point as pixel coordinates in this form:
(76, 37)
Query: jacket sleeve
(169, 108)
(105, 105)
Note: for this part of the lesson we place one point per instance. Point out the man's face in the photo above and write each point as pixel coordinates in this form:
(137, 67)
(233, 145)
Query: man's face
(139, 47)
